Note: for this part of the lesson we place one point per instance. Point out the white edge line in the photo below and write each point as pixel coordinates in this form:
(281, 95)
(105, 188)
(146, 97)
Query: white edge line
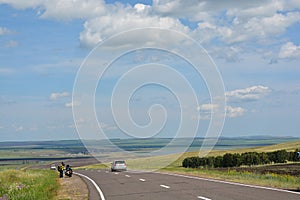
(231, 183)
(204, 198)
(141, 179)
(94, 183)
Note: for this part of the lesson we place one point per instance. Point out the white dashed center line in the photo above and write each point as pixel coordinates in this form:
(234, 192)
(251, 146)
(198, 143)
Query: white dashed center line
(143, 180)
(165, 186)
(204, 198)
(116, 173)
(127, 175)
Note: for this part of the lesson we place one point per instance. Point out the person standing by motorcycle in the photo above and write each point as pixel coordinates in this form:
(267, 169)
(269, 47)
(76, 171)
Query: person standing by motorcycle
(60, 169)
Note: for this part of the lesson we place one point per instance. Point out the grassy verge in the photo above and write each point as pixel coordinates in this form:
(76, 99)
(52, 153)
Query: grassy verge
(269, 179)
(29, 184)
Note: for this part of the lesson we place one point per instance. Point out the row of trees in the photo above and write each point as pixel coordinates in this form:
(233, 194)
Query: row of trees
(236, 159)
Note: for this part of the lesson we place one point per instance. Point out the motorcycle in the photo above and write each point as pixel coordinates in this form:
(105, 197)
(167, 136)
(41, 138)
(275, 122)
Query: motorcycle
(69, 172)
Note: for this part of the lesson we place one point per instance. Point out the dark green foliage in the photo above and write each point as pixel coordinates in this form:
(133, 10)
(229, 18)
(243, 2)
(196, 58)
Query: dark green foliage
(251, 158)
(280, 156)
(293, 156)
(236, 160)
(264, 158)
(228, 160)
(218, 161)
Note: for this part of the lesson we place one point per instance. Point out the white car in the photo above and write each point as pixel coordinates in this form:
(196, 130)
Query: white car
(118, 165)
(53, 167)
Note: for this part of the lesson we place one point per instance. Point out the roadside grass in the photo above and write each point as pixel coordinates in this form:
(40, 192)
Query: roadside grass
(268, 180)
(29, 184)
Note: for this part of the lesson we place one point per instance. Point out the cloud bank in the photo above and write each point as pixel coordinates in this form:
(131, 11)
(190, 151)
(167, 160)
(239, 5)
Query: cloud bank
(217, 23)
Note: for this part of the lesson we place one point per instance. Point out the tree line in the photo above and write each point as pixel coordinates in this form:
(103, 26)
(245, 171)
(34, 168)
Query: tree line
(236, 159)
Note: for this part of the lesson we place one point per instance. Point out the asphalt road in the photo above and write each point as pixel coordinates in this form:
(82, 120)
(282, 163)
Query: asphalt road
(148, 186)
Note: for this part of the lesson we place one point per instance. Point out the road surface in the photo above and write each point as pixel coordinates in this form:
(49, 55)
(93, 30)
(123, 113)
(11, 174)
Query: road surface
(131, 185)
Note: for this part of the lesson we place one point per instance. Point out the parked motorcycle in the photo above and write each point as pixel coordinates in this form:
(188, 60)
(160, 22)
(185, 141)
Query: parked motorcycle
(68, 171)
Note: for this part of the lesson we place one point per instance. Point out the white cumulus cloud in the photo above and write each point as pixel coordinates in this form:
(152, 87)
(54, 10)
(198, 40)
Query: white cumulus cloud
(230, 22)
(247, 94)
(72, 104)
(54, 96)
(207, 107)
(70, 9)
(5, 31)
(122, 19)
(289, 50)
(61, 10)
(233, 112)
(249, 29)
(23, 4)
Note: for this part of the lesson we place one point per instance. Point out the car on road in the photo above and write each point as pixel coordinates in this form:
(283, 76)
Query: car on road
(53, 167)
(118, 165)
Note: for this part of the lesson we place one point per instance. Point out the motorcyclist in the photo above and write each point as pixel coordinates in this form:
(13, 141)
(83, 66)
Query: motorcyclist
(69, 171)
(60, 168)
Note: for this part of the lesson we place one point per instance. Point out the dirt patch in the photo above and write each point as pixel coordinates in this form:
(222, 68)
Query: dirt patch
(282, 169)
(73, 188)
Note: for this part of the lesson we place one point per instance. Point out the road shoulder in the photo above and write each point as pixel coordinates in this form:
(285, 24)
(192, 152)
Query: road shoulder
(72, 188)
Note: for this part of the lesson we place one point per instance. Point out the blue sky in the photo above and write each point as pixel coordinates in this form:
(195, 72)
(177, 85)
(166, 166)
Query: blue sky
(254, 44)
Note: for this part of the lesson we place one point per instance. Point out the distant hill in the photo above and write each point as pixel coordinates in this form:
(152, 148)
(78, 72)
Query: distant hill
(289, 146)
(224, 144)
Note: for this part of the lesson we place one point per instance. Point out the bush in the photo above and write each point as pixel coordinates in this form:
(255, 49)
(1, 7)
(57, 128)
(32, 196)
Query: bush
(236, 160)
(280, 156)
(251, 158)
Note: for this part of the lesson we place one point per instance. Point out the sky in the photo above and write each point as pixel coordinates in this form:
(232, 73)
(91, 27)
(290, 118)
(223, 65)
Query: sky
(52, 52)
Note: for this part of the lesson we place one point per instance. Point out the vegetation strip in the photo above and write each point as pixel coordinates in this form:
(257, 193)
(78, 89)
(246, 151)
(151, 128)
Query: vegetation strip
(236, 159)
(230, 183)
(29, 184)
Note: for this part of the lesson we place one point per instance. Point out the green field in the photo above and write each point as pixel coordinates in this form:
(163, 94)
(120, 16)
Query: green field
(30, 184)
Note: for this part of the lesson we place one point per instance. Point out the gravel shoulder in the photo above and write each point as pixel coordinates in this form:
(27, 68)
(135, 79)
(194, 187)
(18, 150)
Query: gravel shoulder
(73, 188)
